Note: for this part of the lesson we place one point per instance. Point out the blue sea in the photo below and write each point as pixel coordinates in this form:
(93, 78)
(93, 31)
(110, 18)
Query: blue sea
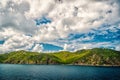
(57, 72)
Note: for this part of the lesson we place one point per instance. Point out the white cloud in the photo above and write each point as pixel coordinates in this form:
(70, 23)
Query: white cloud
(65, 47)
(90, 15)
(38, 48)
(79, 46)
(117, 48)
(17, 19)
(15, 41)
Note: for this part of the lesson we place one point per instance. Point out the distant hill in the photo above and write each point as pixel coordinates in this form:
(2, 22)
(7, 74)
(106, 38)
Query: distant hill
(96, 56)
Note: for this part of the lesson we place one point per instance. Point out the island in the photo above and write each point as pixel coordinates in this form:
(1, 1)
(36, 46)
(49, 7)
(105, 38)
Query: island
(93, 57)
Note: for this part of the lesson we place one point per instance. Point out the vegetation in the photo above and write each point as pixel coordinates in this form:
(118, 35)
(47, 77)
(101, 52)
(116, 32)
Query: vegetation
(96, 56)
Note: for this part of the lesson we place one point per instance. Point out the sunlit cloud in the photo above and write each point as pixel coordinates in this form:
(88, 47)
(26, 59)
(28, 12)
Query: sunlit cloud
(60, 24)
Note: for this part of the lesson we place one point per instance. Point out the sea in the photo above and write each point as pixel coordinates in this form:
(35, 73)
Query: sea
(58, 72)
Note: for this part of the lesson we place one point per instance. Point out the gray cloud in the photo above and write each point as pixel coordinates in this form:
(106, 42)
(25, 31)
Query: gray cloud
(12, 16)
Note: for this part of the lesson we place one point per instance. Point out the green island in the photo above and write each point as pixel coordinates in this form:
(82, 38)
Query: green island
(96, 57)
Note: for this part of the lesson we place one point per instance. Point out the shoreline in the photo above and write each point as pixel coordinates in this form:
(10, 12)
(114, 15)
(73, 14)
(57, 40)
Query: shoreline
(68, 65)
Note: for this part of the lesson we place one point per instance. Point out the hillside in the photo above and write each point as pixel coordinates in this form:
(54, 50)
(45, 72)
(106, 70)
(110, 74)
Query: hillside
(96, 56)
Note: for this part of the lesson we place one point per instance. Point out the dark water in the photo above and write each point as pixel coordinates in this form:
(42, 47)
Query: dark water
(57, 72)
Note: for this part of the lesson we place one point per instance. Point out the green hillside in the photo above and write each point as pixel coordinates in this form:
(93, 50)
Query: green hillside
(96, 56)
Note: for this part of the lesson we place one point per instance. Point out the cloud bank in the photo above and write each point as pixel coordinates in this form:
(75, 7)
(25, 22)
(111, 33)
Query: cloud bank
(67, 24)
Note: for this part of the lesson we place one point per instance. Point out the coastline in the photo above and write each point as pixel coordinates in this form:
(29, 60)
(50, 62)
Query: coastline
(68, 65)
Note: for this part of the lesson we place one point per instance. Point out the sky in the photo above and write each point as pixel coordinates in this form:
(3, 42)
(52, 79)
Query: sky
(56, 25)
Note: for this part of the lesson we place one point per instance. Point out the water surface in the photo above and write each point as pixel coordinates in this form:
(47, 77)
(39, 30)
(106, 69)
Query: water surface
(57, 72)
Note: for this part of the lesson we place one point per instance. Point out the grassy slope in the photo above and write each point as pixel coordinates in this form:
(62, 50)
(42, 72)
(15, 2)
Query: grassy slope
(95, 56)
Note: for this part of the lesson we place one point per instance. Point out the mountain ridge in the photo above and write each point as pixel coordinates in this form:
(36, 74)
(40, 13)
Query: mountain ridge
(95, 56)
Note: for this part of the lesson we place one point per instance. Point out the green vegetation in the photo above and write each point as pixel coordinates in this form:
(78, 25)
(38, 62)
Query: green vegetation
(96, 56)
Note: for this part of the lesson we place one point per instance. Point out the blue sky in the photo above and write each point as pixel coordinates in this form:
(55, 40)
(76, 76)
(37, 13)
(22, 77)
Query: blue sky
(45, 26)
(42, 20)
(2, 41)
(50, 47)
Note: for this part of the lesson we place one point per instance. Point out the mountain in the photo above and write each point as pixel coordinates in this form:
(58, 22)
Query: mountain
(96, 56)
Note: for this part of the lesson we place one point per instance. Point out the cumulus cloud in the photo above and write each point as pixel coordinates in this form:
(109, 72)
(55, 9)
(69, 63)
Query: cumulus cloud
(75, 18)
(19, 30)
(65, 47)
(16, 41)
(12, 15)
(37, 48)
